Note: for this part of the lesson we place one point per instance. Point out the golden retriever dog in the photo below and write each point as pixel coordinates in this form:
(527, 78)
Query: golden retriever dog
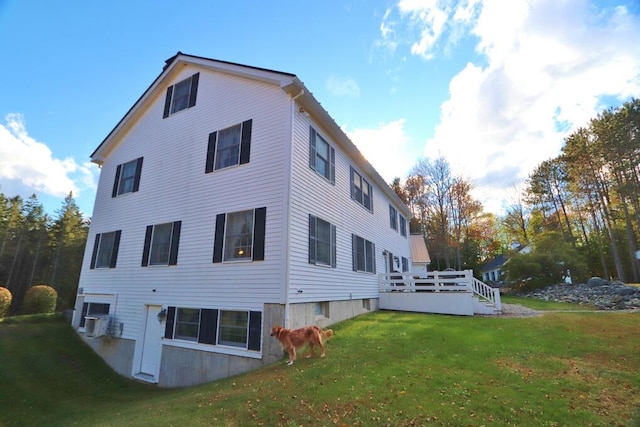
(292, 339)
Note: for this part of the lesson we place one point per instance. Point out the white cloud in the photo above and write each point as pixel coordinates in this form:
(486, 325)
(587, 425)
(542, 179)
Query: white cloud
(385, 147)
(548, 65)
(28, 166)
(342, 86)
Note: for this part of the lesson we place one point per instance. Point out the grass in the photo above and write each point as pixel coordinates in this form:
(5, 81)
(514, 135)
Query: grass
(384, 368)
(542, 305)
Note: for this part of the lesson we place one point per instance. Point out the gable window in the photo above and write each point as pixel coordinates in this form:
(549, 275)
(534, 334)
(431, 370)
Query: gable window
(240, 236)
(161, 244)
(403, 226)
(105, 250)
(181, 95)
(361, 190)
(127, 177)
(322, 156)
(322, 242)
(363, 252)
(93, 309)
(229, 147)
(393, 217)
(236, 328)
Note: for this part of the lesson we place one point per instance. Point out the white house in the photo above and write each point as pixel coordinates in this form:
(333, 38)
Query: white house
(229, 201)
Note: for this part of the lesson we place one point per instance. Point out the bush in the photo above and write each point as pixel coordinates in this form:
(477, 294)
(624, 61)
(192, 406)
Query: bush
(5, 301)
(40, 299)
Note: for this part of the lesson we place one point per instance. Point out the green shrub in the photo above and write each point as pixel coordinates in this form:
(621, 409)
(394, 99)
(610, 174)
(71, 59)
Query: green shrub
(39, 299)
(5, 301)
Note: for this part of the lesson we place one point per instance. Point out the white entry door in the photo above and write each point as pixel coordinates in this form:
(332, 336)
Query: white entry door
(152, 343)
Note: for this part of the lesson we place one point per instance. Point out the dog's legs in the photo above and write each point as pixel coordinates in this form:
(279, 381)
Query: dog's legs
(322, 349)
(292, 356)
(311, 348)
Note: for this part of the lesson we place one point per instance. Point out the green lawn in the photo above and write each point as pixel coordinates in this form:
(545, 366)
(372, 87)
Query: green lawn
(384, 368)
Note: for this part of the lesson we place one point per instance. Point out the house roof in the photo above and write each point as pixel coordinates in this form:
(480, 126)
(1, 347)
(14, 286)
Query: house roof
(288, 82)
(495, 263)
(419, 251)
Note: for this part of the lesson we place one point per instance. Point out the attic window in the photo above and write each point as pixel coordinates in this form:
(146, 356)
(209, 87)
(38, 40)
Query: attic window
(181, 95)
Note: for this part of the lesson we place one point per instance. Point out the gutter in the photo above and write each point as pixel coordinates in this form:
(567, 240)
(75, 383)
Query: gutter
(287, 269)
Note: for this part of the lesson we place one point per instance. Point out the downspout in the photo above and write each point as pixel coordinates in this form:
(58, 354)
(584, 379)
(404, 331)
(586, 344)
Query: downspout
(287, 222)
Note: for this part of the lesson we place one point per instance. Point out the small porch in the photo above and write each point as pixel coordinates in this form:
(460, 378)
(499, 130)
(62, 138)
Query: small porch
(441, 292)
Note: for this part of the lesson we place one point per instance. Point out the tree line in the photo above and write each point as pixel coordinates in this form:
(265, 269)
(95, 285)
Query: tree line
(579, 211)
(39, 249)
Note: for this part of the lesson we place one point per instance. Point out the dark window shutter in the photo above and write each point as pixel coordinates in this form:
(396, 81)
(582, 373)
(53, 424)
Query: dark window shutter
(354, 252)
(114, 250)
(312, 148)
(219, 238)
(255, 330)
(211, 152)
(312, 239)
(245, 143)
(168, 328)
(167, 102)
(85, 308)
(175, 241)
(332, 176)
(333, 246)
(351, 181)
(194, 89)
(208, 326)
(94, 254)
(114, 193)
(147, 246)
(373, 252)
(136, 180)
(260, 219)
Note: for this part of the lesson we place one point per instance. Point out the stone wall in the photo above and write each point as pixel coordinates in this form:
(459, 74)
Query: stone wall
(601, 293)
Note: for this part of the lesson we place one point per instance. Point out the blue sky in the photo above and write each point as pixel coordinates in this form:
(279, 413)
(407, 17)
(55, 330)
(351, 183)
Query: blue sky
(493, 86)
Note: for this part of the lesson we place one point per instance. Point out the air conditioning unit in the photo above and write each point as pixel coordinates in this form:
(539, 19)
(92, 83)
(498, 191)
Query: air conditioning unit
(95, 326)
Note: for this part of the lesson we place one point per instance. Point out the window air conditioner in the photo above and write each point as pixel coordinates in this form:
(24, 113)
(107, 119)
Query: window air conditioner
(95, 326)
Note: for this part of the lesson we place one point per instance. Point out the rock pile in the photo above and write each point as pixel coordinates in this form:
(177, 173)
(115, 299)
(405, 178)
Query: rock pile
(601, 293)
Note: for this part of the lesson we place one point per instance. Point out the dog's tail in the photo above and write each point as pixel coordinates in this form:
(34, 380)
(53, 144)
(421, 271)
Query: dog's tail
(327, 333)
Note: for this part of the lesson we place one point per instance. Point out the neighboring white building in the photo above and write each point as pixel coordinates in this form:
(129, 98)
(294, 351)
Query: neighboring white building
(229, 201)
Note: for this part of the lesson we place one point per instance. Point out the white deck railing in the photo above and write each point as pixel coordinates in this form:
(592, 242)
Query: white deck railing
(439, 281)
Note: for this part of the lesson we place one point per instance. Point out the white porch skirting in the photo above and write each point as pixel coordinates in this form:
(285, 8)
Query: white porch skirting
(457, 303)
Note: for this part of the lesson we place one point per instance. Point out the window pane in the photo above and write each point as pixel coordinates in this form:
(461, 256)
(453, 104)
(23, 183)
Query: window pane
(187, 324)
(357, 183)
(127, 177)
(322, 157)
(161, 244)
(369, 257)
(323, 242)
(239, 236)
(228, 147)
(105, 249)
(181, 95)
(98, 308)
(366, 194)
(360, 253)
(233, 328)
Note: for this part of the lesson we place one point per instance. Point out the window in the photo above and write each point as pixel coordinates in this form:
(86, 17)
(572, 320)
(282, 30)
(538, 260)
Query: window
(321, 309)
(181, 95)
(322, 157)
(105, 250)
(127, 177)
(236, 328)
(233, 328)
(363, 254)
(393, 217)
(93, 309)
(322, 242)
(403, 226)
(229, 147)
(405, 264)
(161, 244)
(361, 190)
(240, 236)
(187, 324)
